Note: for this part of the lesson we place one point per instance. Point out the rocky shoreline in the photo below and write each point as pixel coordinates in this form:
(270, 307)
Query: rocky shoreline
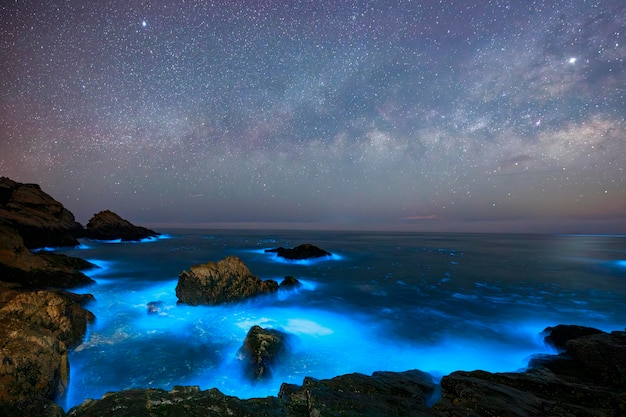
(40, 322)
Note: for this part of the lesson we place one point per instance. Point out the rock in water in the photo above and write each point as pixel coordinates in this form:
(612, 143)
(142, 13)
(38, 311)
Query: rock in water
(40, 219)
(155, 307)
(220, 282)
(302, 252)
(289, 283)
(107, 225)
(260, 351)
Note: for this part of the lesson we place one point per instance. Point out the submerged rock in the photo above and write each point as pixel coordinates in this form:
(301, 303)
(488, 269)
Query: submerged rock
(107, 225)
(39, 219)
(155, 307)
(260, 351)
(220, 282)
(302, 252)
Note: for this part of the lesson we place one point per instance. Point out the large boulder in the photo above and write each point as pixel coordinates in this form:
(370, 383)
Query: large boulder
(220, 282)
(40, 219)
(37, 331)
(38, 270)
(107, 225)
(261, 349)
(302, 252)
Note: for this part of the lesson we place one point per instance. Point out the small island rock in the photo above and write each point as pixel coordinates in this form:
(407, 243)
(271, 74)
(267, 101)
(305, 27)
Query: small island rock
(302, 252)
(107, 225)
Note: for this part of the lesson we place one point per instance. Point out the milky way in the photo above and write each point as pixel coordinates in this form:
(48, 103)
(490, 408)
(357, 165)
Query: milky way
(409, 115)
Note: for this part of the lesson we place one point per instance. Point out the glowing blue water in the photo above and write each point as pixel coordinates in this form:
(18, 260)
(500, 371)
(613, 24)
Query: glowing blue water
(438, 303)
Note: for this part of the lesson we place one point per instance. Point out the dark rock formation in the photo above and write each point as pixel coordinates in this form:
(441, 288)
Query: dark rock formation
(221, 282)
(589, 379)
(558, 336)
(37, 330)
(31, 406)
(179, 402)
(40, 219)
(382, 394)
(107, 225)
(306, 251)
(260, 351)
(289, 283)
(37, 270)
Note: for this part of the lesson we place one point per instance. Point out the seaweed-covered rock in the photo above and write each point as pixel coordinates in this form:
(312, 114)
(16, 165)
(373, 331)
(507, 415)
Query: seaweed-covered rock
(107, 225)
(260, 351)
(302, 252)
(39, 219)
(220, 282)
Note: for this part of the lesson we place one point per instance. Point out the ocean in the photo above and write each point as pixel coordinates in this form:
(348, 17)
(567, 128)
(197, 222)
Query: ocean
(383, 301)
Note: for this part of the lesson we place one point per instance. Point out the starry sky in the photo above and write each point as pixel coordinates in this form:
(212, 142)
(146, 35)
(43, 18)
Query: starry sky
(458, 115)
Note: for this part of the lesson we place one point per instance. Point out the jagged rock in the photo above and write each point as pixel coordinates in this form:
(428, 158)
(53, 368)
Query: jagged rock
(260, 350)
(40, 219)
(179, 402)
(37, 270)
(383, 394)
(37, 330)
(221, 282)
(107, 225)
(305, 251)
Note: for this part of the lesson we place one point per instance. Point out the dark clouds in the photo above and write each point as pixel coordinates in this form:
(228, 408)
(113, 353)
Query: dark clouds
(357, 114)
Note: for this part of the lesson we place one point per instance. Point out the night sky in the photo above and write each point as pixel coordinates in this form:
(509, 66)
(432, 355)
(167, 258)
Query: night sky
(407, 115)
